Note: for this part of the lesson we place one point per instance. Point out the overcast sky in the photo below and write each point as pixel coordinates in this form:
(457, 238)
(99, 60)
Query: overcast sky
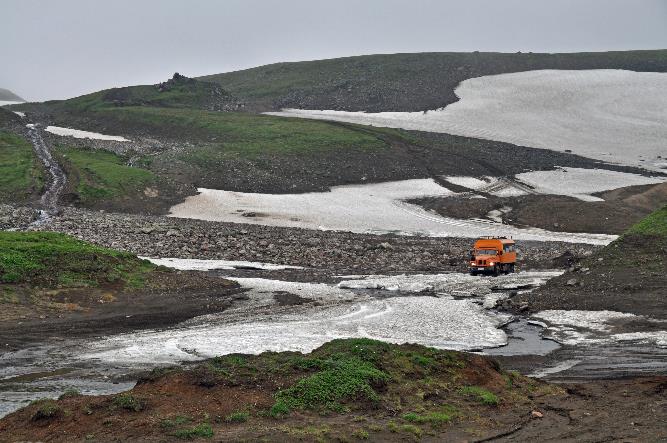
(58, 49)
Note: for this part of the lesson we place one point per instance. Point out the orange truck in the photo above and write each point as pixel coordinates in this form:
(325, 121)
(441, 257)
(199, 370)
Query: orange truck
(493, 255)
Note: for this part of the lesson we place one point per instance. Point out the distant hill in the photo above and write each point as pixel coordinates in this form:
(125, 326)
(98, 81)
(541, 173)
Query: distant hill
(403, 82)
(8, 96)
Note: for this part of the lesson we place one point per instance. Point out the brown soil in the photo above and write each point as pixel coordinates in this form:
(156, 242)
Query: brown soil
(621, 209)
(629, 275)
(168, 401)
(32, 314)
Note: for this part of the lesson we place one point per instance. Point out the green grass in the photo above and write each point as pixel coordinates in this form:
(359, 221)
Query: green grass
(105, 175)
(230, 133)
(20, 170)
(653, 224)
(343, 376)
(171, 423)
(238, 417)
(433, 418)
(481, 395)
(202, 430)
(49, 259)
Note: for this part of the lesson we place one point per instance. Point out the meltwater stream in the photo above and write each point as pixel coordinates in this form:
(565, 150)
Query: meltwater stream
(451, 311)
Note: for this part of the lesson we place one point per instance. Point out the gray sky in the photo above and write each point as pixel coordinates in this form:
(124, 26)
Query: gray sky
(58, 49)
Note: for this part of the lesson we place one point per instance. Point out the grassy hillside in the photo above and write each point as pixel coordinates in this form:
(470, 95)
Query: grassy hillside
(346, 390)
(49, 259)
(403, 82)
(629, 275)
(655, 225)
(102, 175)
(21, 173)
(177, 92)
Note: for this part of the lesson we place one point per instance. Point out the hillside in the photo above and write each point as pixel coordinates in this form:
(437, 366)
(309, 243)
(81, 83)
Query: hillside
(629, 275)
(403, 82)
(52, 283)
(345, 390)
(9, 96)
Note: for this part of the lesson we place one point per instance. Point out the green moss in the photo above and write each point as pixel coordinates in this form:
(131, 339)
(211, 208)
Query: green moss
(343, 378)
(104, 175)
(654, 224)
(481, 395)
(20, 170)
(49, 259)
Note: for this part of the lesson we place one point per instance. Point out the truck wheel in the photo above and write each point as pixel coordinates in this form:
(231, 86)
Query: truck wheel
(496, 271)
(473, 273)
(511, 271)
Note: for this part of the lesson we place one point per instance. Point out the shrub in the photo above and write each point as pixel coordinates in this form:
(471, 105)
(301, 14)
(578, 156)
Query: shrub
(279, 409)
(238, 417)
(201, 430)
(129, 402)
(69, 393)
(361, 434)
(46, 408)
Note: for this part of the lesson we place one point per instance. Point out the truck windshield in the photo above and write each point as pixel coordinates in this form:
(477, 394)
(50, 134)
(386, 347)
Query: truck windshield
(485, 252)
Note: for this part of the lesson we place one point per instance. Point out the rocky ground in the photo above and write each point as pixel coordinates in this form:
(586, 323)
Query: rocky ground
(619, 210)
(335, 252)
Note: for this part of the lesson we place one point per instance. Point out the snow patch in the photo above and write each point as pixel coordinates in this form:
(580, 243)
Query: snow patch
(610, 115)
(69, 132)
(590, 327)
(438, 322)
(376, 208)
(455, 283)
(580, 183)
(191, 264)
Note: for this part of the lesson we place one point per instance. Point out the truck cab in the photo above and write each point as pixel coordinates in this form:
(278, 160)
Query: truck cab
(492, 255)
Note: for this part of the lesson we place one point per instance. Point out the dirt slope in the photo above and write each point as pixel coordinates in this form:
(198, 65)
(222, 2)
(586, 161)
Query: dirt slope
(629, 275)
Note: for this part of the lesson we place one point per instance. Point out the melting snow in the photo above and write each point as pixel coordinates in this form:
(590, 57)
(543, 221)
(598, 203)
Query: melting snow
(369, 208)
(579, 183)
(453, 283)
(610, 115)
(68, 132)
(437, 322)
(191, 264)
(575, 327)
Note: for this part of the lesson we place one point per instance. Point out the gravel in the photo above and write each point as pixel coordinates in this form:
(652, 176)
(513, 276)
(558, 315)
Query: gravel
(159, 236)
